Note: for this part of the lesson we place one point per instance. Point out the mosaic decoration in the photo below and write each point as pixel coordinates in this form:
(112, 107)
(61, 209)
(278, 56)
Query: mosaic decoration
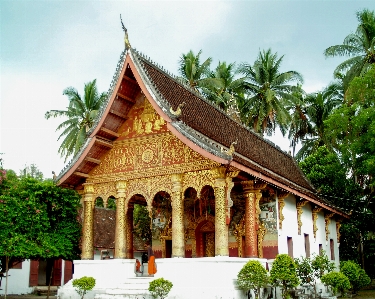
(268, 216)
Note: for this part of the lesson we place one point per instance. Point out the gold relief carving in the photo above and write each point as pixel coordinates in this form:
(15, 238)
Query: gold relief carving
(105, 190)
(327, 219)
(120, 232)
(299, 214)
(221, 228)
(338, 225)
(258, 196)
(132, 158)
(147, 155)
(88, 229)
(198, 179)
(315, 218)
(281, 203)
(262, 230)
(88, 188)
(210, 245)
(239, 232)
(178, 234)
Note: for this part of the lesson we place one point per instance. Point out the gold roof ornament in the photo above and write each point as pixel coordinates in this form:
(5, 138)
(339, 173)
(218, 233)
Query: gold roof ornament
(231, 149)
(126, 39)
(178, 110)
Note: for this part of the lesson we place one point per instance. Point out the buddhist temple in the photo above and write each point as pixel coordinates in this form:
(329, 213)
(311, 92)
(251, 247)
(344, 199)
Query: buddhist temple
(217, 193)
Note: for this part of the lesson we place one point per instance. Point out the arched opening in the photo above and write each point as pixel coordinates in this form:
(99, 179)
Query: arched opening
(138, 227)
(191, 205)
(205, 229)
(111, 203)
(99, 202)
(162, 225)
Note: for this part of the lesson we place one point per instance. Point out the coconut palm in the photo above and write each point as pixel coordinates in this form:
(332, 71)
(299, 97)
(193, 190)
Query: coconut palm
(267, 89)
(319, 107)
(224, 94)
(81, 114)
(195, 74)
(359, 45)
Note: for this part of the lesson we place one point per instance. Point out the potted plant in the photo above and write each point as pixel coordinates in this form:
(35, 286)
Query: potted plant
(252, 276)
(83, 285)
(160, 288)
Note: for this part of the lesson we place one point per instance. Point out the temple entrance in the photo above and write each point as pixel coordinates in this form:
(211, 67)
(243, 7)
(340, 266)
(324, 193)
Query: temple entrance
(209, 244)
(205, 237)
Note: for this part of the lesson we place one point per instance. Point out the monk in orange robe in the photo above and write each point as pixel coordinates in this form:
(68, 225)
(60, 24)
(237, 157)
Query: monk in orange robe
(151, 261)
(137, 266)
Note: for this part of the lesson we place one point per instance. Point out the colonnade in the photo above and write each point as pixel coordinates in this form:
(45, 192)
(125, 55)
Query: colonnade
(221, 181)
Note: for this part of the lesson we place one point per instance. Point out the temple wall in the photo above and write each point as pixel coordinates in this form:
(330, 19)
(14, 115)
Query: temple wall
(18, 280)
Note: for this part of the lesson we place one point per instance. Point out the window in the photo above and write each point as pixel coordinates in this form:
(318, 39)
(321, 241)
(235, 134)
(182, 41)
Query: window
(290, 246)
(307, 245)
(331, 245)
(320, 249)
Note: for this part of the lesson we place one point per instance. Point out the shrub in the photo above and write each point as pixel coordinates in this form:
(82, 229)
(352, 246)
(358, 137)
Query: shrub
(160, 288)
(83, 285)
(252, 276)
(337, 281)
(283, 273)
(357, 276)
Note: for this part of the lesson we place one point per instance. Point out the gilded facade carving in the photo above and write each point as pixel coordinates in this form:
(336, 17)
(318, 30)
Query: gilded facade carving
(178, 233)
(262, 230)
(299, 214)
(327, 219)
(315, 212)
(88, 223)
(239, 232)
(280, 199)
(338, 226)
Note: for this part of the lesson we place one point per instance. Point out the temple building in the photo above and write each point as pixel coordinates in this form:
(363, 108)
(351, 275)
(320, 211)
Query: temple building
(215, 191)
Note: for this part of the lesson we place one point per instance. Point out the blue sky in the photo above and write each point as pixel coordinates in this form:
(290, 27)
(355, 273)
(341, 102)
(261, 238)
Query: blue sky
(46, 46)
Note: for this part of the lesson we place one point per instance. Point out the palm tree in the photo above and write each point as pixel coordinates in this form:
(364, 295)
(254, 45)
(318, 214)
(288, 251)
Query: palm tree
(359, 45)
(319, 107)
(81, 114)
(267, 90)
(226, 93)
(195, 74)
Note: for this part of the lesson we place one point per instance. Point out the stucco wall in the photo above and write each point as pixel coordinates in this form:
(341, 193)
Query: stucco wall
(18, 280)
(290, 229)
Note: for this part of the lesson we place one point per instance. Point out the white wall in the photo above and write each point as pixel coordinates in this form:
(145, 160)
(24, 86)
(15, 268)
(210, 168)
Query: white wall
(18, 281)
(290, 229)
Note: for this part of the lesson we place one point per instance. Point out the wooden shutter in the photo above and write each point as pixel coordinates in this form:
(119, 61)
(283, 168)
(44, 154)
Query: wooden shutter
(68, 271)
(34, 267)
(56, 278)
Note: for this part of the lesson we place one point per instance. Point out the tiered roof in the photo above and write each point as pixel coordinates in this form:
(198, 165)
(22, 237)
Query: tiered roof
(201, 125)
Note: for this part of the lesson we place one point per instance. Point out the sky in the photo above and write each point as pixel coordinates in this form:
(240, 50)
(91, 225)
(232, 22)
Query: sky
(47, 46)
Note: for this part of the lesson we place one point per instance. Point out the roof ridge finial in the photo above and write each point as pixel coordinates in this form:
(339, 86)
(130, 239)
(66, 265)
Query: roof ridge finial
(126, 39)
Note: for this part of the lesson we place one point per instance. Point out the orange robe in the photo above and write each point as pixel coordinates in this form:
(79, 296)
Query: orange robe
(151, 265)
(137, 266)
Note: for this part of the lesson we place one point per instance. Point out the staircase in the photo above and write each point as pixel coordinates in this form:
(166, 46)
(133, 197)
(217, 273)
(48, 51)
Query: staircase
(132, 288)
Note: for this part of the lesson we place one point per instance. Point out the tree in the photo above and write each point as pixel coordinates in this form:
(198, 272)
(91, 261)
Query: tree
(195, 74)
(319, 107)
(81, 114)
(226, 93)
(360, 46)
(357, 276)
(284, 274)
(38, 220)
(31, 171)
(160, 288)
(252, 276)
(311, 270)
(337, 281)
(268, 89)
(83, 285)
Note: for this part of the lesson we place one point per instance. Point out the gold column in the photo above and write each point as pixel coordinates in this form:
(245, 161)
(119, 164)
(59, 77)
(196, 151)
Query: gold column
(252, 192)
(129, 232)
(120, 232)
(88, 223)
(221, 228)
(178, 234)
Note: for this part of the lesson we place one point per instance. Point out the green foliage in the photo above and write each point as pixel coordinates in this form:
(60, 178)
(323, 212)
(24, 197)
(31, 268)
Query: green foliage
(142, 223)
(252, 276)
(357, 276)
(337, 281)
(81, 114)
(39, 220)
(111, 203)
(160, 288)
(268, 90)
(284, 274)
(83, 285)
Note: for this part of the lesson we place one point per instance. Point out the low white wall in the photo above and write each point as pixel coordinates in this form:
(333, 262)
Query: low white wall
(18, 280)
(208, 278)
